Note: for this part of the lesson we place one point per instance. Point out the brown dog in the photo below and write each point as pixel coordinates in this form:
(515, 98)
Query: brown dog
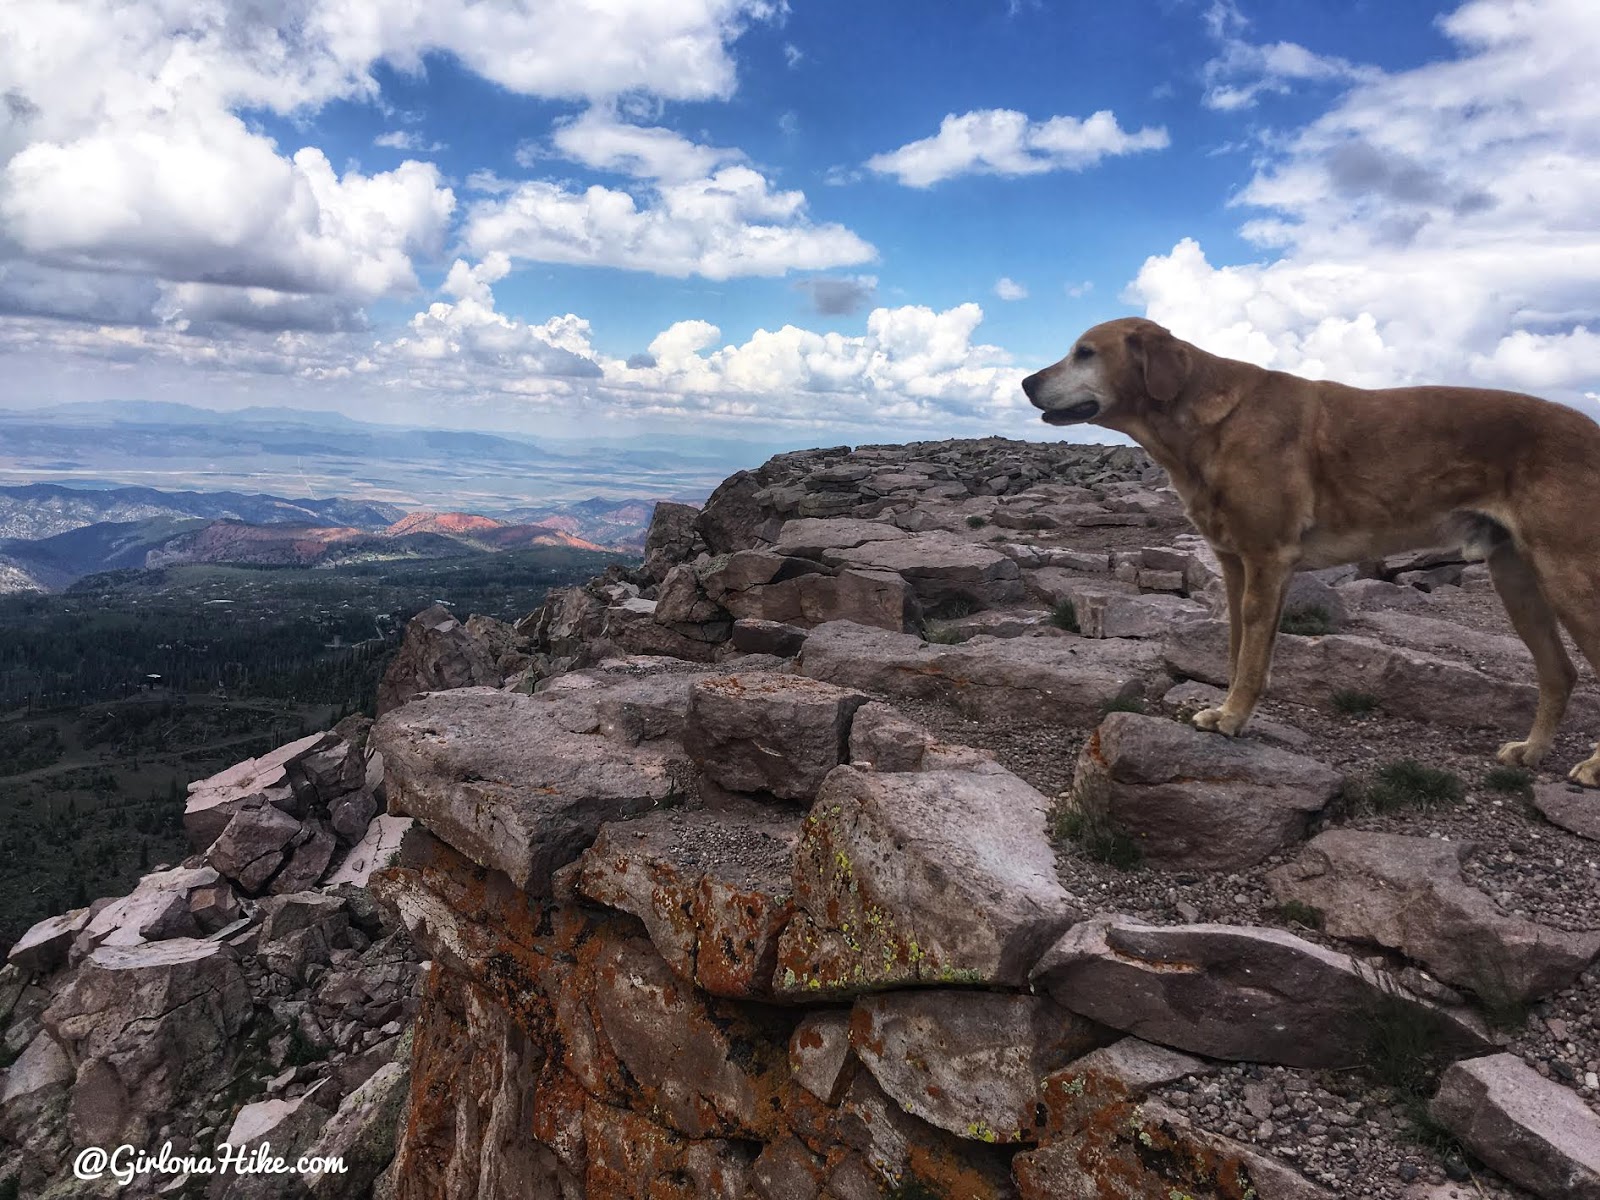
(1282, 473)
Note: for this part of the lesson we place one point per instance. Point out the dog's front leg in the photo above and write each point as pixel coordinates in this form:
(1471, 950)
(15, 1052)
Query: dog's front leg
(1263, 584)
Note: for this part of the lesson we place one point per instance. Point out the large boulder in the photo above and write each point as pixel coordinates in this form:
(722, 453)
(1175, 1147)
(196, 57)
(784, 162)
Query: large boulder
(942, 568)
(756, 585)
(361, 1135)
(1195, 800)
(1533, 1131)
(270, 779)
(711, 886)
(256, 843)
(768, 732)
(146, 1027)
(502, 777)
(671, 539)
(44, 946)
(156, 909)
(1407, 894)
(937, 877)
(1575, 809)
(1235, 992)
(968, 1062)
(440, 652)
(1069, 680)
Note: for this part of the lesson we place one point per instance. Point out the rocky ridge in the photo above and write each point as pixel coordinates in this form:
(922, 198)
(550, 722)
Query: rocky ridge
(848, 848)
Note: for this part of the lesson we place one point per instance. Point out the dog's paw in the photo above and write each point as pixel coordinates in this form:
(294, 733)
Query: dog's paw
(1587, 773)
(1521, 754)
(1219, 720)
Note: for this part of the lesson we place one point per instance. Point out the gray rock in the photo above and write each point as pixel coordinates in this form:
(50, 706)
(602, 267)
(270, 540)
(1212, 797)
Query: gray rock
(1234, 992)
(940, 567)
(819, 1050)
(147, 1026)
(1408, 894)
(1194, 800)
(307, 861)
(711, 886)
(253, 846)
(361, 1134)
(936, 877)
(1411, 683)
(1308, 594)
(812, 538)
(680, 600)
(1068, 680)
(377, 849)
(882, 739)
(352, 813)
(752, 635)
(1533, 1131)
(213, 802)
(772, 733)
(968, 1062)
(1575, 809)
(498, 776)
(43, 948)
(671, 538)
(440, 652)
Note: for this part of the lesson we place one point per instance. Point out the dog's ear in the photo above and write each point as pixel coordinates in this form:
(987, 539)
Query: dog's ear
(1163, 359)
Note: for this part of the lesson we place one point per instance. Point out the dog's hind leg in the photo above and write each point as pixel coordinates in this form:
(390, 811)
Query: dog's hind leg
(1233, 581)
(1535, 622)
(1260, 607)
(1570, 580)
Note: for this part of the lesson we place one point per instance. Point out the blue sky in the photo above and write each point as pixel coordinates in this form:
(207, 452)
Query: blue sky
(795, 222)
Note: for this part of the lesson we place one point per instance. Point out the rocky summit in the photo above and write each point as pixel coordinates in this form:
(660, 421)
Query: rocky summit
(853, 845)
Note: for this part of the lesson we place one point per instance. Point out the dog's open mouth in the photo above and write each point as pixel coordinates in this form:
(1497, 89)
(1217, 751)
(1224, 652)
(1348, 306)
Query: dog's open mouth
(1086, 411)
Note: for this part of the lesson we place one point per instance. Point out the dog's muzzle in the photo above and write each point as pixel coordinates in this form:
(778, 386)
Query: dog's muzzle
(1085, 410)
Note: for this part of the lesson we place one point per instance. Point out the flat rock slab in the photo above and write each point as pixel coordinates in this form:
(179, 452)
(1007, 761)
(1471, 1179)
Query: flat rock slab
(44, 946)
(1408, 894)
(939, 566)
(811, 537)
(712, 888)
(156, 909)
(212, 802)
(1055, 679)
(1408, 683)
(968, 1062)
(1533, 1131)
(1196, 800)
(1575, 809)
(883, 739)
(938, 877)
(1234, 992)
(377, 849)
(497, 776)
(779, 734)
(1074, 1096)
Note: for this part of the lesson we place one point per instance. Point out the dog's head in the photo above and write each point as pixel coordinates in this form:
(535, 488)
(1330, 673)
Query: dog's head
(1116, 371)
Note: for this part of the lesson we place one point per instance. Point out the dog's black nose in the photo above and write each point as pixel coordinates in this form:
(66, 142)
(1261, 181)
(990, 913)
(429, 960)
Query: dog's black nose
(1031, 384)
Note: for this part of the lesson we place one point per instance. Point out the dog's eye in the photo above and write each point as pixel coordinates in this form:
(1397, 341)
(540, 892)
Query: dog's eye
(1083, 352)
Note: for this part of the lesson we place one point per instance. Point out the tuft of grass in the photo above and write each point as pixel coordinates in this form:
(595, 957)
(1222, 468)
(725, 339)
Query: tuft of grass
(1407, 783)
(1354, 704)
(944, 637)
(1065, 616)
(1301, 914)
(1512, 780)
(1403, 1048)
(913, 1189)
(954, 606)
(1131, 704)
(976, 522)
(1099, 840)
(1306, 622)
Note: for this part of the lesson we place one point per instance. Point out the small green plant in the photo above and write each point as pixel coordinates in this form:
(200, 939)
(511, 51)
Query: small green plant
(1306, 622)
(1095, 836)
(953, 606)
(1354, 704)
(1299, 913)
(976, 522)
(302, 1050)
(1504, 1007)
(10, 1189)
(1131, 704)
(913, 1189)
(1407, 783)
(1065, 616)
(944, 637)
(1512, 780)
(1403, 1048)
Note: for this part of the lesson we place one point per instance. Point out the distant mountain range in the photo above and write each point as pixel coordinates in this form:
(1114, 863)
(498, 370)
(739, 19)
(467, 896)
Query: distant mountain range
(192, 527)
(176, 448)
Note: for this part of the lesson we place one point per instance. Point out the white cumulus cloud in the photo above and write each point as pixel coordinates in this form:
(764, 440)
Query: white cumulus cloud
(999, 141)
